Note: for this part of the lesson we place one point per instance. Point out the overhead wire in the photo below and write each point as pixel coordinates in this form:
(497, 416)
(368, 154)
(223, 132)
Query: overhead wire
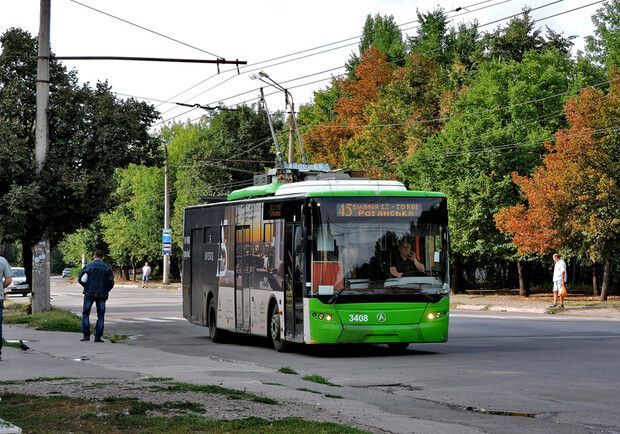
(482, 25)
(358, 37)
(146, 28)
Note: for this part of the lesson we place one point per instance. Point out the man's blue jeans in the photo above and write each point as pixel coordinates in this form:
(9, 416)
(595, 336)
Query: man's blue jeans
(1, 312)
(88, 304)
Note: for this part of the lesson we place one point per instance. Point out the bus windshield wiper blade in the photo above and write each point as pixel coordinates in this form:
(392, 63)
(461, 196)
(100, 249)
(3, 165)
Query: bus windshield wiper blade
(335, 296)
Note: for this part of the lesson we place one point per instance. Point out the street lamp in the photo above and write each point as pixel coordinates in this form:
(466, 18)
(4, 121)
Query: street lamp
(293, 127)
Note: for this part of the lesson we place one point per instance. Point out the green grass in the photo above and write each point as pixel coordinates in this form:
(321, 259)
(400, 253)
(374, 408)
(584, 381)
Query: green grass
(64, 414)
(287, 370)
(10, 344)
(303, 389)
(184, 405)
(116, 338)
(329, 395)
(158, 379)
(315, 378)
(212, 389)
(35, 380)
(56, 319)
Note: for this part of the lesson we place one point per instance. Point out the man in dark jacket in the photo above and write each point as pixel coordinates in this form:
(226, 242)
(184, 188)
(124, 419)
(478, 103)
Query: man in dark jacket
(97, 280)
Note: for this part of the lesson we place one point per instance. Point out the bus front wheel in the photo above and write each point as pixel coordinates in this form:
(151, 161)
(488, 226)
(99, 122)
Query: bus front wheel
(216, 335)
(275, 331)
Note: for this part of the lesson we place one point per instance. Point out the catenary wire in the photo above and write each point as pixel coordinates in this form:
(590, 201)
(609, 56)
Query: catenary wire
(145, 28)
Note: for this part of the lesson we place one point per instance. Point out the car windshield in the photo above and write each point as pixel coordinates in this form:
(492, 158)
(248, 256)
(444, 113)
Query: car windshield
(18, 272)
(380, 246)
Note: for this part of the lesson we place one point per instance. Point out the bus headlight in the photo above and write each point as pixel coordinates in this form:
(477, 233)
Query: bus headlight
(328, 317)
(321, 316)
(431, 316)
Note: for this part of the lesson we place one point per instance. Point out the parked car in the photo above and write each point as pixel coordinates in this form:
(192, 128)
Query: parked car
(19, 284)
(66, 273)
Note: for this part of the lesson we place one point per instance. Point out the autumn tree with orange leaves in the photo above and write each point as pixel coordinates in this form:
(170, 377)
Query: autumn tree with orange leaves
(573, 199)
(373, 72)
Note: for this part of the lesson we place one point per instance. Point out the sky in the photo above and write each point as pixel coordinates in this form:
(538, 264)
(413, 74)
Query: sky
(250, 30)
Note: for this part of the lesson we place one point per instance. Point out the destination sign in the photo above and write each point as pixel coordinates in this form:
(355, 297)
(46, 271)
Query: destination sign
(378, 210)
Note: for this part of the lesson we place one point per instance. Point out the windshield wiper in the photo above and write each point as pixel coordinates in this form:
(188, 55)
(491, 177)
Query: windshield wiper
(336, 296)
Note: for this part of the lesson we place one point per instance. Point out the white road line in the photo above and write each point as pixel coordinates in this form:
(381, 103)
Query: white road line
(154, 320)
(126, 320)
(174, 318)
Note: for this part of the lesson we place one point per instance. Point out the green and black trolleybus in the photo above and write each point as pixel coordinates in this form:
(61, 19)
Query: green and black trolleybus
(321, 261)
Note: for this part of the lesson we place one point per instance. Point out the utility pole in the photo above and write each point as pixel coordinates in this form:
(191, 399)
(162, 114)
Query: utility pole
(291, 132)
(41, 250)
(166, 273)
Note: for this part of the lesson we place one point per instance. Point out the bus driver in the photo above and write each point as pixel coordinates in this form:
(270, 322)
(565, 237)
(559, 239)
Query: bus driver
(405, 262)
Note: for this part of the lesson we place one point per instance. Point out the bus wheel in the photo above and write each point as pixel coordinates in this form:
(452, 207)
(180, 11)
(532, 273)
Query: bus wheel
(274, 331)
(398, 347)
(216, 335)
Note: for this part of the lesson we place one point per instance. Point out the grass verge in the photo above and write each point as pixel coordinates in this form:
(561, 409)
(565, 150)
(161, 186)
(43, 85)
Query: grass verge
(315, 378)
(9, 344)
(56, 319)
(287, 370)
(209, 388)
(64, 414)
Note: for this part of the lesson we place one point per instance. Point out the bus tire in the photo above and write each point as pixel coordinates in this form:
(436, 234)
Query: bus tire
(217, 335)
(275, 333)
(398, 347)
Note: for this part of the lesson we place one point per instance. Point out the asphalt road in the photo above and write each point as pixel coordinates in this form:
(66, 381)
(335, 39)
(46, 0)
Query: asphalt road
(542, 374)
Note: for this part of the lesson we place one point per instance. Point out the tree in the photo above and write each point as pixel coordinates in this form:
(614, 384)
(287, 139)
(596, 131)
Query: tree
(494, 131)
(92, 132)
(604, 46)
(77, 246)
(383, 33)
(431, 40)
(133, 229)
(573, 199)
(372, 73)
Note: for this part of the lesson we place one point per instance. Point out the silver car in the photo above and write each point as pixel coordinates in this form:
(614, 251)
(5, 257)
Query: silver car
(19, 284)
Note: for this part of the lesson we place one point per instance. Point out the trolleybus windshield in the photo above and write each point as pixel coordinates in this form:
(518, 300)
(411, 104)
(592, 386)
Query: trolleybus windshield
(379, 245)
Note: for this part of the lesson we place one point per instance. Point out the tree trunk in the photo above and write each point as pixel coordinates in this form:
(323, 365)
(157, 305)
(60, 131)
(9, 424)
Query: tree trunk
(524, 287)
(134, 271)
(457, 272)
(606, 279)
(594, 280)
(126, 272)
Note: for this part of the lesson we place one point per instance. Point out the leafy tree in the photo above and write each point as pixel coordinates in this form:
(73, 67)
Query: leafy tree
(604, 45)
(573, 199)
(383, 33)
(79, 245)
(133, 229)
(493, 132)
(373, 73)
(92, 132)
(431, 40)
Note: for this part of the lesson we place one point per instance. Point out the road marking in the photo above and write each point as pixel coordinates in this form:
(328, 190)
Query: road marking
(124, 320)
(174, 318)
(153, 320)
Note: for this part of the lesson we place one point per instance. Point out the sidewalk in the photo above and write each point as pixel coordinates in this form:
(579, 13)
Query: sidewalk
(575, 306)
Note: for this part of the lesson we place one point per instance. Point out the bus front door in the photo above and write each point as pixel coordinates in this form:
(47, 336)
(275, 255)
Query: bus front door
(293, 290)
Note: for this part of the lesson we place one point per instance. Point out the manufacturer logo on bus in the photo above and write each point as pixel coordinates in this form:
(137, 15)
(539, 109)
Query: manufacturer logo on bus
(381, 317)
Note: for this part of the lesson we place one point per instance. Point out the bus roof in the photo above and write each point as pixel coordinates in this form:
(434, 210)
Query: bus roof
(326, 188)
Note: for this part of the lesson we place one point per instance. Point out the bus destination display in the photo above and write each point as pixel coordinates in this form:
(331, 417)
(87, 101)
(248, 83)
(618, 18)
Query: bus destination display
(379, 210)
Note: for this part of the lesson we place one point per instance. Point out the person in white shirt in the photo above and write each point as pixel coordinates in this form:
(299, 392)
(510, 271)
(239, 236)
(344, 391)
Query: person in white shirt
(559, 278)
(146, 273)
